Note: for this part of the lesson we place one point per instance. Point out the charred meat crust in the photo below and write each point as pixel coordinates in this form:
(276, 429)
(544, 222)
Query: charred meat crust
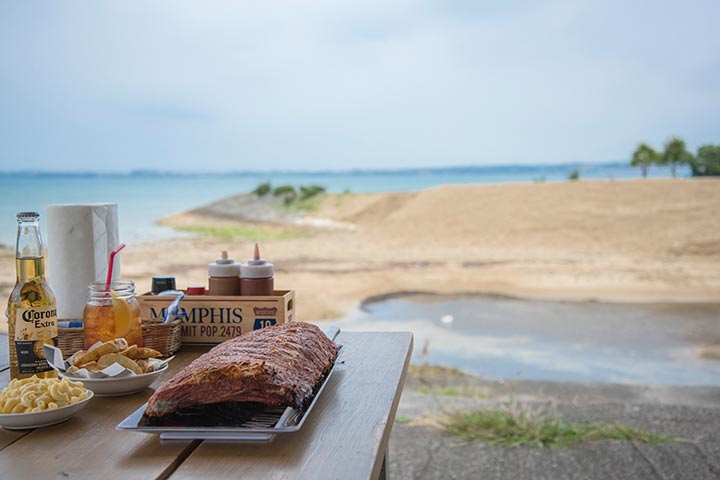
(280, 365)
(226, 414)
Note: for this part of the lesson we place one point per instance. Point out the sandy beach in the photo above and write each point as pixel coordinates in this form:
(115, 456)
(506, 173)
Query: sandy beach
(632, 240)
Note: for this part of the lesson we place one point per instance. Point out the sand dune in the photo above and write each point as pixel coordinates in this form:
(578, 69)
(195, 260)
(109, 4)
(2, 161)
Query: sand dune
(643, 240)
(608, 240)
(654, 218)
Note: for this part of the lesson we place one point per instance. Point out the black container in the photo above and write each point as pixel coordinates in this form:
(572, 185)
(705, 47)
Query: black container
(160, 283)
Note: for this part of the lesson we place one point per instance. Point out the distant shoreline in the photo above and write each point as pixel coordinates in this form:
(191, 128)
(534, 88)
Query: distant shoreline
(144, 197)
(456, 169)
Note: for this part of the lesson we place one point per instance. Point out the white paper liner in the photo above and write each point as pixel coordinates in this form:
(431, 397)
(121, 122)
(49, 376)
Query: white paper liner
(55, 359)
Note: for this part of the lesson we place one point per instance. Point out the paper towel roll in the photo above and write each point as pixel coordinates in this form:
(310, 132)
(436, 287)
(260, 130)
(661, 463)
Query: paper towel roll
(79, 241)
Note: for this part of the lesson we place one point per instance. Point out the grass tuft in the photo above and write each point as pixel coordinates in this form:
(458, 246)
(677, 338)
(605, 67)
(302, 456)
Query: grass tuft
(711, 352)
(306, 205)
(236, 232)
(513, 426)
(402, 419)
(436, 370)
(461, 391)
(443, 392)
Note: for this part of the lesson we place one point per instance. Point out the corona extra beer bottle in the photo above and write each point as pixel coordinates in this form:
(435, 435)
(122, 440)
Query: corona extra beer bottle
(32, 316)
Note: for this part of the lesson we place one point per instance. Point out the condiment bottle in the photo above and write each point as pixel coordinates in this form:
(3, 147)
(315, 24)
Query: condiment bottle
(224, 276)
(195, 290)
(160, 283)
(256, 276)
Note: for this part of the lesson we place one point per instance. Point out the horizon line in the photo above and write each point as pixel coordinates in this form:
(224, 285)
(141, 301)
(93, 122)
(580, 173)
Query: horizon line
(366, 171)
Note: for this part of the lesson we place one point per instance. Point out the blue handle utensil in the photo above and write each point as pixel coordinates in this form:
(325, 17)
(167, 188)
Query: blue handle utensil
(172, 311)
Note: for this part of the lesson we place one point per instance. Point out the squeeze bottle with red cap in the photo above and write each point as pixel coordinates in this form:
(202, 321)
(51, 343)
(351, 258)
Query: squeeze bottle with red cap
(256, 276)
(224, 276)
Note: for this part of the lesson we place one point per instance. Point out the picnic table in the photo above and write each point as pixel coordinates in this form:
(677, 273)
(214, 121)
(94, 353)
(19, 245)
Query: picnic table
(345, 436)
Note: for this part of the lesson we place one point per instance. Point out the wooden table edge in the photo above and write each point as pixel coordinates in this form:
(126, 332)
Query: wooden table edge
(380, 456)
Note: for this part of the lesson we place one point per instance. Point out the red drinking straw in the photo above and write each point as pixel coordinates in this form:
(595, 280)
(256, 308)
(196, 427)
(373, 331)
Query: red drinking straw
(110, 266)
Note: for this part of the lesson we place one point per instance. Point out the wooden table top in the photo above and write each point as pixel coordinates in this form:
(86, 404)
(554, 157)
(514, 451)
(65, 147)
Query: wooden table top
(345, 436)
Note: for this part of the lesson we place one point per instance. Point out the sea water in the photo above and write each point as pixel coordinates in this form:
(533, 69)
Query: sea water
(144, 197)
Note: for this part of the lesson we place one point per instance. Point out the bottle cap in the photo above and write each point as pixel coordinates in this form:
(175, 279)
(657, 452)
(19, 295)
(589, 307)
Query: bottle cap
(195, 290)
(224, 267)
(257, 267)
(160, 283)
(27, 216)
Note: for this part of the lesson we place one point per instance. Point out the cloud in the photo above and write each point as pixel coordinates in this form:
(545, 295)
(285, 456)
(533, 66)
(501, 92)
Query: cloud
(320, 84)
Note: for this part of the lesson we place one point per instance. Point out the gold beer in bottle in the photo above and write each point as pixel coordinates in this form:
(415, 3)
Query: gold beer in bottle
(32, 316)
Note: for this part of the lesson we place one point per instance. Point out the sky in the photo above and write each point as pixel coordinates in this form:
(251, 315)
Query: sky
(310, 85)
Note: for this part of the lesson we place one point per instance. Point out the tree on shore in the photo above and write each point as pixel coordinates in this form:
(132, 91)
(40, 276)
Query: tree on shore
(675, 154)
(643, 157)
(707, 161)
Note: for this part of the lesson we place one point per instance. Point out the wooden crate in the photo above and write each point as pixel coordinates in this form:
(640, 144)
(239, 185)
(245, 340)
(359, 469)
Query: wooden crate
(211, 319)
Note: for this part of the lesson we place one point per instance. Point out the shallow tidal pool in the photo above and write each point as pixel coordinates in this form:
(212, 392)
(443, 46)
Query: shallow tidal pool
(509, 338)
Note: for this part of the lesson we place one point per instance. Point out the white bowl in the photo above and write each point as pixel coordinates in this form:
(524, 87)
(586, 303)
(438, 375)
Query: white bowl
(114, 387)
(22, 421)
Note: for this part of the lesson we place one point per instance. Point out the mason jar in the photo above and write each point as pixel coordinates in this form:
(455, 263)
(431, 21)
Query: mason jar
(112, 313)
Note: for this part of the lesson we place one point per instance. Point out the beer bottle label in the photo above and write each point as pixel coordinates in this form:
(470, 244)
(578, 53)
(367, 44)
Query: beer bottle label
(34, 327)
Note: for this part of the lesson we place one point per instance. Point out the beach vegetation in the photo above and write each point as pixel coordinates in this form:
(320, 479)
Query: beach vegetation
(522, 426)
(707, 161)
(304, 198)
(288, 193)
(711, 352)
(311, 191)
(302, 205)
(283, 190)
(442, 392)
(574, 175)
(262, 189)
(428, 370)
(644, 156)
(236, 232)
(675, 154)
(460, 391)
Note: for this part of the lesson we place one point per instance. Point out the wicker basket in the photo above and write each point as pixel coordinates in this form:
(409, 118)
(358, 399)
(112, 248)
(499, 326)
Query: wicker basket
(70, 340)
(163, 337)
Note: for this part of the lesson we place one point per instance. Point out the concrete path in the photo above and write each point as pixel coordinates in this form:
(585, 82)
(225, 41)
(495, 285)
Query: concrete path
(421, 451)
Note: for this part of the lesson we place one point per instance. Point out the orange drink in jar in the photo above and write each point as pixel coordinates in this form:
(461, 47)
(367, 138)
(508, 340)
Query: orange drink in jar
(112, 314)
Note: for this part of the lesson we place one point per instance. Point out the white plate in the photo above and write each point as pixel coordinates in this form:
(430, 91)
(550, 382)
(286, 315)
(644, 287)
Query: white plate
(114, 387)
(22, 421)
